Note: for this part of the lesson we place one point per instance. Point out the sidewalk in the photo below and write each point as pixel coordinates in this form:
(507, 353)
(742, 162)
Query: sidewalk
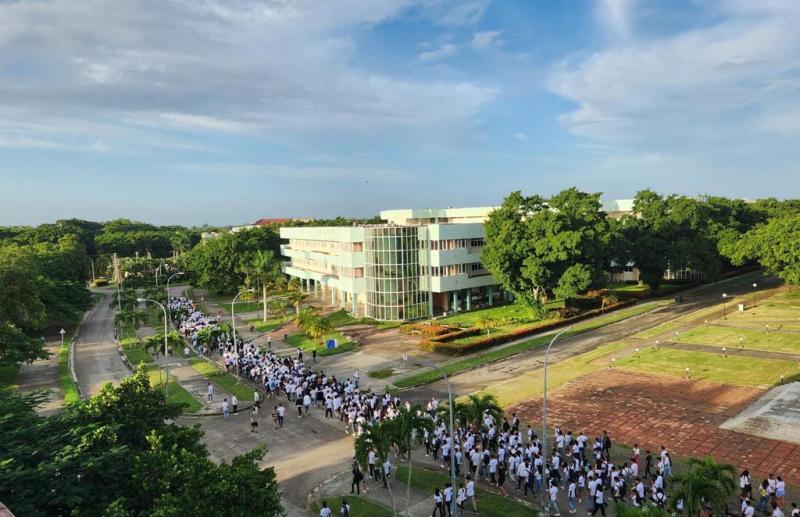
(43, 374)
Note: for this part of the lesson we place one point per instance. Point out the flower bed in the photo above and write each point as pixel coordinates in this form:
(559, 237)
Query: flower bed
(450, 347)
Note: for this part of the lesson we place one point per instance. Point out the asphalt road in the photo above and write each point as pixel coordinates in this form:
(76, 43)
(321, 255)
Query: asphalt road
(96, 358)
(694, 300)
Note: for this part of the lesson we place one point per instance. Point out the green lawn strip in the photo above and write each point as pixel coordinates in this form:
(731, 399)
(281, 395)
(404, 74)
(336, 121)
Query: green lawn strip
(68, 386)
(508, 351)
(773, 341)
(342, 318)
(490, 504)
(382, 373)
(516, 311)
(134, 351)
(176, 393)
(738, 370)
(306, 344)
(9, 377)
(221, 378)
(358, 506)
(266, 326)
(658, 330)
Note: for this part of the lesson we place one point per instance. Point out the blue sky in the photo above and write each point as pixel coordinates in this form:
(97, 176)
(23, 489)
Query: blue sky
(224, 111)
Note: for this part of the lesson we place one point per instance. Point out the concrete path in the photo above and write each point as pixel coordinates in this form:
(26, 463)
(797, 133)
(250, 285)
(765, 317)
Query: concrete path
(43, 374)
(97, 360)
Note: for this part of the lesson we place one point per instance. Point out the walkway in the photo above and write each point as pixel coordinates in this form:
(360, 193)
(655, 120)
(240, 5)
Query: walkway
(43, 374)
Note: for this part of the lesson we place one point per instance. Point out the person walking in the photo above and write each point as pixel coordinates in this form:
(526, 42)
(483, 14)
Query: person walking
(344, 511)
(225, 409)
(274, 417)
(281, 414)
(253, 420)
(571, 494)
(599, 502)
(553, 492)
(325, 511)
(471, 493)
(235, 404)
(438, 503)
(355, 485)
(314, 355)
(210, 391)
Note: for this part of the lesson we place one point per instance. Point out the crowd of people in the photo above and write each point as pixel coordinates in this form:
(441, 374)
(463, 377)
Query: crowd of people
(502, 454)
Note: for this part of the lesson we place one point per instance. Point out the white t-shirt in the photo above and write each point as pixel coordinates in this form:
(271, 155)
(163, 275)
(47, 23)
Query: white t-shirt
(325, 512)
(470, 488)
(553, 492)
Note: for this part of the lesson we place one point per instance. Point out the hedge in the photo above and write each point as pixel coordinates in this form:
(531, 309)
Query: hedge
(518, 333)
(456, 334)
(425, 329)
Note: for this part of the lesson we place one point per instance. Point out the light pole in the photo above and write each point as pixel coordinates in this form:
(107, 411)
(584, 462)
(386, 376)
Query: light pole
(166, 347)
(179, 273)
(157, 271)
(755, 286)
(233, 325)
(724, 297)
(452, 434)
(544, 407)
(92, 263)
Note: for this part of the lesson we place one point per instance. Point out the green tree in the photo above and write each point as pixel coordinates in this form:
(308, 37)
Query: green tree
(17, 348)
(487, 323)
(407, 430)
(476, 407)
(535, 248)
(694, 488)
(375, 436)
(775, 245)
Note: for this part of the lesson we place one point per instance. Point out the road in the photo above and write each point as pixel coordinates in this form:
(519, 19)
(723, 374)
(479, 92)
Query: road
(96, 358)
(694, 300)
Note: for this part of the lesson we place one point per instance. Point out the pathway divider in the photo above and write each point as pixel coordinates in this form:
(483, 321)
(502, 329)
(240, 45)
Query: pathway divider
(71, 355)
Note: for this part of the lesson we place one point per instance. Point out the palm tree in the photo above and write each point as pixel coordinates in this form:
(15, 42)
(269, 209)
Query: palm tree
(487, 323)
(608, 297)
(694, 488)
(724, 473)
(317, 327)
(296, 296)
(375, 436)
(407, 429)
(476, 407)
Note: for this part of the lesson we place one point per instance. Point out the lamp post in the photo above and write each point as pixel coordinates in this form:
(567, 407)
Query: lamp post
(233, 325)
(724, 297)
(755, 286)
(544, 404)
(166, 347)
(452, 427)
(157, 271)
(92, 263)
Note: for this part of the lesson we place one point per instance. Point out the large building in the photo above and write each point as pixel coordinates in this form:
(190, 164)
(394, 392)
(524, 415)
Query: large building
(421, 263)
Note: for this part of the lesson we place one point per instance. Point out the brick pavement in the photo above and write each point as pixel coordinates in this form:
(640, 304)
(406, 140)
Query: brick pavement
(651, 410)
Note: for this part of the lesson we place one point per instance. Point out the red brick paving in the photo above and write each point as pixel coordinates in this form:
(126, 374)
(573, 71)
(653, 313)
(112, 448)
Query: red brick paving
(651, 410)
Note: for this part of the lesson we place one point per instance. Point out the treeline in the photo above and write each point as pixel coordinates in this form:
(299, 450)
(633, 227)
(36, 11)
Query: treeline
(539, 248)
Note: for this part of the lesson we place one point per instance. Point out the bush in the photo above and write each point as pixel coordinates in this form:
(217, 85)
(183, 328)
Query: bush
(518, 333)
(424, 329)
(100, 282)
(456, 334)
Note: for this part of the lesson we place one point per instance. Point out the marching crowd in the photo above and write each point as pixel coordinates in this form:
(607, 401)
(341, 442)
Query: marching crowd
(502, 453)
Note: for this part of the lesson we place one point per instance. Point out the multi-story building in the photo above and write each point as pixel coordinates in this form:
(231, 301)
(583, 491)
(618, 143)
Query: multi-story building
(421, 263)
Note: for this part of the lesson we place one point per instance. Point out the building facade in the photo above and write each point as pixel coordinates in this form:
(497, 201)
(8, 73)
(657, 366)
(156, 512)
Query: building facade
(419, 264)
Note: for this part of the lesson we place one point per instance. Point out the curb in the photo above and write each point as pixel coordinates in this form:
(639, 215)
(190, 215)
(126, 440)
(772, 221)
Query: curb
(71, 355)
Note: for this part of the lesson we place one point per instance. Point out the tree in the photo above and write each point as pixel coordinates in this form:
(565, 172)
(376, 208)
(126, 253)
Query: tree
(375, 436)
(724, 473)
(17, 348)
(535, 248)
(263, 269)
(116, 454)
(487, 323)
(694, 488)
(476, 407)
(295, 295)
(407, 430)
(775, 245)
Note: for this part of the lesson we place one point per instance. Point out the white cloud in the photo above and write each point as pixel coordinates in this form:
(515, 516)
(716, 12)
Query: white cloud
(274, 69)
(706, 84)
(465, 12)
(616, 17)
(522, 137)
(484, 39)
(445, 51)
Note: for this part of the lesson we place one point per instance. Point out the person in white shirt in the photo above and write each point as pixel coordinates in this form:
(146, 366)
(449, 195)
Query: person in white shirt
(235, 404)
(325, 511)
(599, 502)
(553, 503)
(387, 471)
(210, 391)
(571, 494)
(225, 409)
(471, 493)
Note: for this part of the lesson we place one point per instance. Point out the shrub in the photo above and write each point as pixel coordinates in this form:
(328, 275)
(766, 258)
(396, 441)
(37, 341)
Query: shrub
(513, 335)
(455, 334)
(424, 329)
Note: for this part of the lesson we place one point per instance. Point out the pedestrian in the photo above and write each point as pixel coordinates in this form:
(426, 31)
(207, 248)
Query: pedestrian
(256, 399)
(648, 464)
(795, 510)
(599, 502)
(344, 511)
(235, 404)
(275, 417)
(210, 390)
(448, 498)
(461, 497)
(325, 511)
(314, 355)
(225, 409)
(553, 503)
(571, 493)
(438, 503)
(186, 352)
(387, 472)
(281, 414)
(355, 485)
(471, 493)
(269, 341)
(254, 420)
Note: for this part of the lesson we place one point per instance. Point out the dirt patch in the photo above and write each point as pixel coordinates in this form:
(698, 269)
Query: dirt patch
(652, 410)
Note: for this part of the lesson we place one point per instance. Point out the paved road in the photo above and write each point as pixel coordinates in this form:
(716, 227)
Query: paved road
(96, 358)
(694, 300)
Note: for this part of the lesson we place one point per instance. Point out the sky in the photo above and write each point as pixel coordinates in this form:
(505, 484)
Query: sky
(225, 111)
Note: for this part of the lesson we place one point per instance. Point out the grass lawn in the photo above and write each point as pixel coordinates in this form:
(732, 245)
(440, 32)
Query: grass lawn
(664, 328)
(462, 365)
(222, 379)
(266, 326)
(9, 375)
(358, 506)
(134, 351)
(515, 311)
(729, 337)
(176, 393)
(383, 373)
(490, 504)
(530, 384)
(778, 311)
(746, 371)
(306, 344)
(342, 318)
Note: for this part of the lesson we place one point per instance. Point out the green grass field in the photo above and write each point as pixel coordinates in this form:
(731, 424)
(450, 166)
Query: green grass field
(490, 504)
(266, 326)
(463, 365)
(515, 311)
(222, 379)
(134, 351)
(383, 373)
(306, 344)
(176, 393)
(745, 371)
(773, 341)
(342, 318)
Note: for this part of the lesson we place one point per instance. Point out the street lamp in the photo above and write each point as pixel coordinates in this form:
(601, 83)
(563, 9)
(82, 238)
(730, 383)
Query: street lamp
(92, 263)
(544, 401)
(724, 297)
(233, 325)
(158, 269)
(452, 433)
(755, 286)
(166, 347)
(179, 273)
